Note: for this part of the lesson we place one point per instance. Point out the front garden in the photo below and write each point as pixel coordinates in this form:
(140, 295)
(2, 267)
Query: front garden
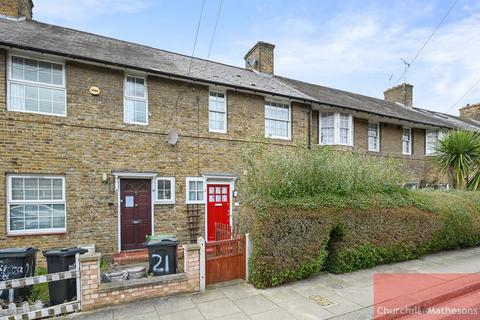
(338, 211)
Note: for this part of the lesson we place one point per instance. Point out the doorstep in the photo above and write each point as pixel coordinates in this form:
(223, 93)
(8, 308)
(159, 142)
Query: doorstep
(131, 256)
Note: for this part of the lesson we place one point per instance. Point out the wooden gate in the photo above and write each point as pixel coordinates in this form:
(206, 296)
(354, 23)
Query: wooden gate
(225, 260)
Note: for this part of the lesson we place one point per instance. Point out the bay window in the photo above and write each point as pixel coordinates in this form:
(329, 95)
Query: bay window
(335, 128)
(36, 86)
(36, 204)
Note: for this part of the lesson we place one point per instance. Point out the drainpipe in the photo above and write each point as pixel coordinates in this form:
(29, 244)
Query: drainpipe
(309, 137)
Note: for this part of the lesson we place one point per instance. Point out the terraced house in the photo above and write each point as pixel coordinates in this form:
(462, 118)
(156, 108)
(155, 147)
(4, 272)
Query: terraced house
(104, 141)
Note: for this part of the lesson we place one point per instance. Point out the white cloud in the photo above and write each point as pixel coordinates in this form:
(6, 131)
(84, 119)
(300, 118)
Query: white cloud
(359, 51)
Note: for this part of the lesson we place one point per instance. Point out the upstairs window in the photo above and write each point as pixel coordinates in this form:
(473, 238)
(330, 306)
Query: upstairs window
(432, 137)
(407, 141)
(36, 86)
(136, 102)
(165, 190)
(217, 112)
(36, 204)
(277, 120)
(336, 128)
(373, 136)
(195, 193)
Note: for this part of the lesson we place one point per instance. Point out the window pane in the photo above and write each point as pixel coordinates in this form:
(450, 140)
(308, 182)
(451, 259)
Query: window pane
(17, 96)
(130, 87)
(140, 111)
(31, 70)
(129, 110)
(17, 68)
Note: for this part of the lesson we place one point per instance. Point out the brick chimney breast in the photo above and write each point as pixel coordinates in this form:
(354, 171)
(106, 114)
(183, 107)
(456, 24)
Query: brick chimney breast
(470, 111)
(403, 93)
(260, 57)
(16, 9)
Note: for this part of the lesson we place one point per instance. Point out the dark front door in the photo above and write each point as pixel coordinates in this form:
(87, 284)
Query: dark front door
(136, 212)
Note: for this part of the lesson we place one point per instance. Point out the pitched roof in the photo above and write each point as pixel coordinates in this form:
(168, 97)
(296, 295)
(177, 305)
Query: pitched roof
(358, 102)
(42, 37)
(33, 35)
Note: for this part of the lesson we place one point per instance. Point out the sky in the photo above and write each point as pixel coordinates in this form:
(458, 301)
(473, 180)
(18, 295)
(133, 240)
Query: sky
(353, 45)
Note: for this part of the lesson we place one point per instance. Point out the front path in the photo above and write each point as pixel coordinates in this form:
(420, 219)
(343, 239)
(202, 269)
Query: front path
(350, 296)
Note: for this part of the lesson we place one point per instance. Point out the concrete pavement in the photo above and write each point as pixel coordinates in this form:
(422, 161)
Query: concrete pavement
(323, 296)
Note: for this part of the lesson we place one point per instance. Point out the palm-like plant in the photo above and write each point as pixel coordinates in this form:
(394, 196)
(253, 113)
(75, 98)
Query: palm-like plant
(458, 157)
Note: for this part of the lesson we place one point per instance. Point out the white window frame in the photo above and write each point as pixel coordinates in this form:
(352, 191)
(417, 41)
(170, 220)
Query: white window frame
(405, 141)
(135, 98)
(289, 137)
(224, 92)
(377, 124)
(187, 190)
(33, 83)
(439, 134)
(336, 134)
(172, 191)
(10, 201)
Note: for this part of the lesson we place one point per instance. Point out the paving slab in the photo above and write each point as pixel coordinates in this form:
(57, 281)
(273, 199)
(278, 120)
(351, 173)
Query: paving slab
(174, 304)
(255, 304)
(131, 310)
(218, 308)
(277, 314)
(189, 314)
(305, 309)
(239, 291)
(209, 295)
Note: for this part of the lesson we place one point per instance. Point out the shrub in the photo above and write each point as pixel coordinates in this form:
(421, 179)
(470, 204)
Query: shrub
(341, 211)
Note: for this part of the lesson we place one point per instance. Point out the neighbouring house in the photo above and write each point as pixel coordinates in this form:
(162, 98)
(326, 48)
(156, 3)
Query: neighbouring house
(104, 141)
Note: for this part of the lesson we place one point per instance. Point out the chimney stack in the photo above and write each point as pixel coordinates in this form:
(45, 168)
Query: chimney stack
(16, 9)
(403, 93)
(260, 57)
(470, 112)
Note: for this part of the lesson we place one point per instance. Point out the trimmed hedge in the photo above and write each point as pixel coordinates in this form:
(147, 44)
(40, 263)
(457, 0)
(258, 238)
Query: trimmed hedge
(292, 243)
(342, 211)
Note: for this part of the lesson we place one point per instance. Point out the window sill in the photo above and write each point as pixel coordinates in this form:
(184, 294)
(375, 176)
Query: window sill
(164, 202)
(36, 112)
(279, 138)
(195, 202)
(135, 123)
(217, 131)
(47, 233)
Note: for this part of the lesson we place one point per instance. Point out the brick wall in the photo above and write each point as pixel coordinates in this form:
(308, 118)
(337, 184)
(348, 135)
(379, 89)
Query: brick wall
(93, 140)
(95, 295)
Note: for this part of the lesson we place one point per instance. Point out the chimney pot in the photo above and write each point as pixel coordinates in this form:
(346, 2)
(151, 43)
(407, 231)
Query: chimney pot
(260, 58)
(403, 93)
(17, 9)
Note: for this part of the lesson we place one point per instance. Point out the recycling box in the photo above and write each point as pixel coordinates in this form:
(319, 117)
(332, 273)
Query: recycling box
(59, 260)
(17, 263)
(162, 255)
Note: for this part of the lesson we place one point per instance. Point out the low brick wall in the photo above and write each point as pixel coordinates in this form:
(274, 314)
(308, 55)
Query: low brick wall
(95, 294)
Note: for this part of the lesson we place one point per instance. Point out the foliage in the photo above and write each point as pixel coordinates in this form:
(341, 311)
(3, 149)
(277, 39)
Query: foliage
(341, 211)
(39, 291)
(458, 157)
(322, 177)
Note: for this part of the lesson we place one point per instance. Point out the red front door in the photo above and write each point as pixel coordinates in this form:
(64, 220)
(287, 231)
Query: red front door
(218, 207)
(136, 212)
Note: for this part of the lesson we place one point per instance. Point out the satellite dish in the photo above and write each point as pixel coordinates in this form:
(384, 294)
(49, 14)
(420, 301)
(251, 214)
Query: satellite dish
(172, 137)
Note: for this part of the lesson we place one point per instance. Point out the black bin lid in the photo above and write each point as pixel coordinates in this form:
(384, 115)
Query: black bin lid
(162, 241)
(63, 252)
(17, 252)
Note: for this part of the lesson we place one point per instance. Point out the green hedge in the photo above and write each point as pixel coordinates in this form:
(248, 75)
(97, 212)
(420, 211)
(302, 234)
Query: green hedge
(291, 243)
(340, 211)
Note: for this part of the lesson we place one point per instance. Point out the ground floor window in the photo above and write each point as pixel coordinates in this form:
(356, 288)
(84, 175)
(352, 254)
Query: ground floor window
(36, 204)
(195, 192)
(165, 190)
